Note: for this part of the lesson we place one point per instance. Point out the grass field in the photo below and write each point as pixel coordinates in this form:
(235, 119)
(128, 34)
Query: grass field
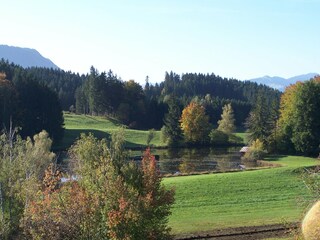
(242, 133)
(249, 198)
(102, 127)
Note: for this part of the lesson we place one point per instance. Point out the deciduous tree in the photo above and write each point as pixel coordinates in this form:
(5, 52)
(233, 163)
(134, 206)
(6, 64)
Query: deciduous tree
(133, 204)
(226, 124)
(299, 113)
(22, 165)
(195, 123)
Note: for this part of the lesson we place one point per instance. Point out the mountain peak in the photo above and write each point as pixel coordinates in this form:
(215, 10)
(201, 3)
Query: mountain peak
(281, 83)
(25, 57)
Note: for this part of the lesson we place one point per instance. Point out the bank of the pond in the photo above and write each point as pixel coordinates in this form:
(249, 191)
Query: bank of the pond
(248, 198)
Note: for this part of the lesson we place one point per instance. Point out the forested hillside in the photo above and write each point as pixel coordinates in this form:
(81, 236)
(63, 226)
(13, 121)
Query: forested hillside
(29, 107)
(62, 82)
(144, 107)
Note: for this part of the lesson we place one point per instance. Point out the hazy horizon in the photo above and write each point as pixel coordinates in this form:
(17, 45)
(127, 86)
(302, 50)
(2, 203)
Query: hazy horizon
(235, 39)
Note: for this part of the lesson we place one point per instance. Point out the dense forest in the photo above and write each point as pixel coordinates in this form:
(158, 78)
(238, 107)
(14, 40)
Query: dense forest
(62, 82)
(28, 106)
(146, 107)
(140, 107)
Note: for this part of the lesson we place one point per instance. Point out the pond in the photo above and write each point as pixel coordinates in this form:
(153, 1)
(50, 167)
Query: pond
(187, 160)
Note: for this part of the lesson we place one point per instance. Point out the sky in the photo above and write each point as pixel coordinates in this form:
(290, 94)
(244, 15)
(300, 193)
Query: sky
(240, 39)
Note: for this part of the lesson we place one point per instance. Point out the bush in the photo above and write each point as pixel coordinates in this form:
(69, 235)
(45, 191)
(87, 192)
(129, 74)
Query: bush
(256, 151)
(187, 167)
(219, 138)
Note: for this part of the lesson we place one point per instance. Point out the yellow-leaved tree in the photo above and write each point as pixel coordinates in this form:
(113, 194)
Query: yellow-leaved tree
(195, 123)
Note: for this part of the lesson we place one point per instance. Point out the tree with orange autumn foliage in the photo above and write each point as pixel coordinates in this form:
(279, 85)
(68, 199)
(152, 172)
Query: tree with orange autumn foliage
(22, 165)
(66, 212)
(143, 204)
(195, 123)
(111, 199)
(132, 202)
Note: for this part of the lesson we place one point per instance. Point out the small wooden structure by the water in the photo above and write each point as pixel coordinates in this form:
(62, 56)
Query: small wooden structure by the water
(243, 150)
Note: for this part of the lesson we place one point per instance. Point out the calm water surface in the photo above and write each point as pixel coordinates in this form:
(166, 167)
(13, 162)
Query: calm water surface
(171, 161)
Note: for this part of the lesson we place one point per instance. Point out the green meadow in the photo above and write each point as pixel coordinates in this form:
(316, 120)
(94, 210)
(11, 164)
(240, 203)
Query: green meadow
(103, 127)
(249, 198)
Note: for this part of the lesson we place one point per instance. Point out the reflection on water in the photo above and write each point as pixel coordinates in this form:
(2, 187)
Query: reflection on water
(188, 160)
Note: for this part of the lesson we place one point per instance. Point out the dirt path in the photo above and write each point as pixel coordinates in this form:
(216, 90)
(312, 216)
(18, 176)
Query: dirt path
(241, 233)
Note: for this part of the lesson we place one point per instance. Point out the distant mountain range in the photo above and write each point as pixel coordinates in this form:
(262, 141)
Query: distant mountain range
(25, 57)
(281, 83)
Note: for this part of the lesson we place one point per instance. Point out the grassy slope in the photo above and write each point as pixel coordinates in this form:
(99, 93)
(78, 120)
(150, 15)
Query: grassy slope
(207, 202)
(102, 127)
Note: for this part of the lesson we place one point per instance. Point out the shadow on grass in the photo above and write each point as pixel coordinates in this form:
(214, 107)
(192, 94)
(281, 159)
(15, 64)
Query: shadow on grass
(112, 120)
(135, 146)
(71, 135)
(274, 158)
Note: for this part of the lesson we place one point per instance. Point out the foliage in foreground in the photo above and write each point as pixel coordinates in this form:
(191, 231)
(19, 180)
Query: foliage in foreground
(112, 199)
(22, 165)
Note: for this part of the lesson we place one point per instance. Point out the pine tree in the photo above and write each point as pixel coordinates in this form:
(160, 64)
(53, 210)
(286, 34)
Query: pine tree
(259, 123)
(226, 124)
(171, 123)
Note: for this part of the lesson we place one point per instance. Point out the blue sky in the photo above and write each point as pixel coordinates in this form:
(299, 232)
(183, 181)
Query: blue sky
(242, 39)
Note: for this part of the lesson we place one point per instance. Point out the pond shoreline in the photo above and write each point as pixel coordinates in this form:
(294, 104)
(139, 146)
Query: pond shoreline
(263, 165)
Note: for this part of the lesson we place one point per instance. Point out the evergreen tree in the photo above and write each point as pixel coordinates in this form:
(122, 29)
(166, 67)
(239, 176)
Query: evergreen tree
(171, 123)
(273, 117)
(258, 123)
(226, 124)
(39, 110)
(81, 101)
(8, 102)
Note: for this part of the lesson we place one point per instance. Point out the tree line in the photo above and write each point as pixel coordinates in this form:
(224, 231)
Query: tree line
(29, 106)
(144, 107)
(294, 126)
(63, 83)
